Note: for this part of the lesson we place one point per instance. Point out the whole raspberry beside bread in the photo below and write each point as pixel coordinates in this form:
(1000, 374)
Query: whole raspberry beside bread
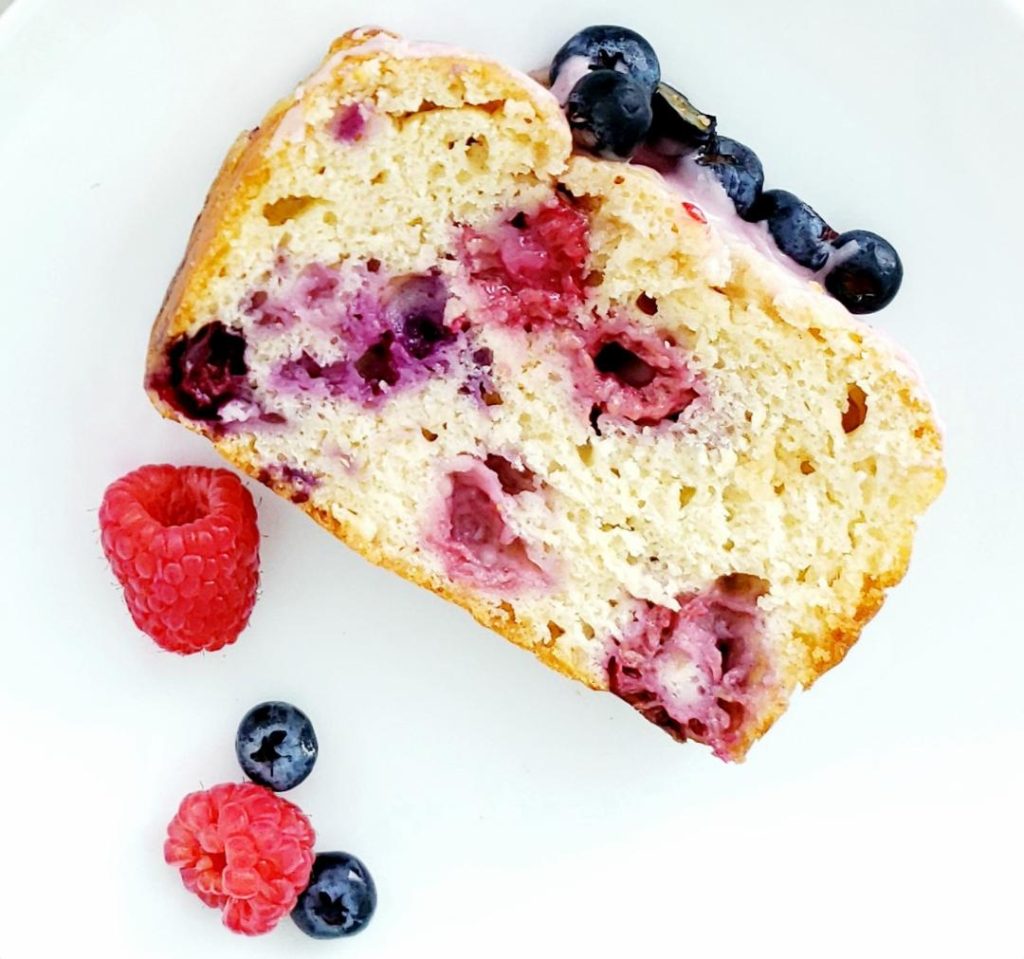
(184, 544)
(243, 850)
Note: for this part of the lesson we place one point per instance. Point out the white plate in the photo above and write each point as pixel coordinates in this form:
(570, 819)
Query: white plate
(503, 810)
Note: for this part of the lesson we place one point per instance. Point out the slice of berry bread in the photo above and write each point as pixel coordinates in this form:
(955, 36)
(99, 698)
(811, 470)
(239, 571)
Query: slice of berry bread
(540, 385)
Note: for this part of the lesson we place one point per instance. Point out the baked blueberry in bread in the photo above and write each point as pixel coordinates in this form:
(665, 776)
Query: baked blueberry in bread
(554, 388)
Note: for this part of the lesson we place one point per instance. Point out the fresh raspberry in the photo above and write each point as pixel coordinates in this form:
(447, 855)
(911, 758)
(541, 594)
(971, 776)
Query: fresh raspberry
(244, 850)
(183, 543)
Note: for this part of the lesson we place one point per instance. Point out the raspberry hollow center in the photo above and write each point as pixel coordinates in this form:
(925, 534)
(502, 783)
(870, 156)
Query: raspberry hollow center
(176, 507)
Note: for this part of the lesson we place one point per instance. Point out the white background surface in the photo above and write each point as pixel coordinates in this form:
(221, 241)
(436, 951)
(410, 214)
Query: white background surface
(503, 810)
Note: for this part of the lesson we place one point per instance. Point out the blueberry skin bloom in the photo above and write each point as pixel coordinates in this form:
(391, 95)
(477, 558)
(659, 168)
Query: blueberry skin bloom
(738, 169)
(608, 47)
(609, 114)
(866, 273)
(339, 900)
(797, 229)
(276, 745)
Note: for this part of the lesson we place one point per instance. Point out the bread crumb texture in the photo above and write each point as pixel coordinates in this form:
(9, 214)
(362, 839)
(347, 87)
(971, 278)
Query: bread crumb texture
(529, 381)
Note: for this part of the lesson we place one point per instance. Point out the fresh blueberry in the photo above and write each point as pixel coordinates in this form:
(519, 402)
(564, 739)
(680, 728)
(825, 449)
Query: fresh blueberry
(207, 370)
(609, 113)
(276, 745)
(677, 126)
(798, 231)
(339, 900)
(738, 169)
(866, 272)
(611, 48)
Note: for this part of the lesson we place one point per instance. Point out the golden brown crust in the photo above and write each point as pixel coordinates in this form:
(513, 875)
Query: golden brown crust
(830, 648)
(504, 624)
(201, 256)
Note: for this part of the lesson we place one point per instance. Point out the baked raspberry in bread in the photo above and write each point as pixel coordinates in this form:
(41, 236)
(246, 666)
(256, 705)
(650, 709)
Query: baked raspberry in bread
(540, 384)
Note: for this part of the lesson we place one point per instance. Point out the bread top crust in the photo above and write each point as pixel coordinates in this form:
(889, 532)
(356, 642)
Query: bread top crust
(245, 171)
(356, 62)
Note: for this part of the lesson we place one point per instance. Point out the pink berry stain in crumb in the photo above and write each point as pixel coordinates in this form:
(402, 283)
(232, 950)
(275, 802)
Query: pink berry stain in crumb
(349, 122)
(636, 374)
(479, 383)
(473, 539)
(309, 298)
(388, 334)
(530, 266)
(700, 672)
(302, 482)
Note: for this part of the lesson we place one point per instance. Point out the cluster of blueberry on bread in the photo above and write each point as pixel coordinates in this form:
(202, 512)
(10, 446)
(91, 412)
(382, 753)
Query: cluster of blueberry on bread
(542, 384)
(609, 79)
